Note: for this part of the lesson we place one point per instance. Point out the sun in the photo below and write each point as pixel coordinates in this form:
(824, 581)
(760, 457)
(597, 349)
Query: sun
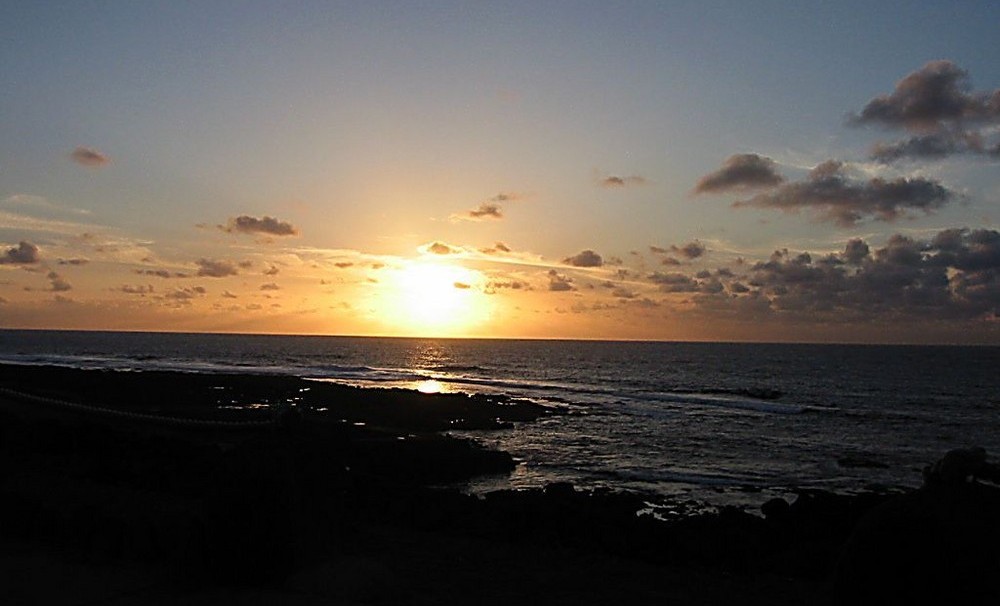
(428, 298)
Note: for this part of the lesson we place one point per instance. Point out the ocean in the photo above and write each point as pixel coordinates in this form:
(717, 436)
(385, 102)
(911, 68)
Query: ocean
(713, 423)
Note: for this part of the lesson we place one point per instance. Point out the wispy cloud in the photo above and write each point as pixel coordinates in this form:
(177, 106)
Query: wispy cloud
(88, 156)
(615, 181)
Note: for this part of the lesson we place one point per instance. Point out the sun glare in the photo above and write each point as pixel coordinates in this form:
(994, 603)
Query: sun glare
(433, 299)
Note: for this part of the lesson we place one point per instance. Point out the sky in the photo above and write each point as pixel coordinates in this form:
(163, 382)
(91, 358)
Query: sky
(720, 171)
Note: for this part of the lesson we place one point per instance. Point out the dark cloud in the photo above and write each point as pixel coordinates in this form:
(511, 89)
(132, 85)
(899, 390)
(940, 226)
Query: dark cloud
(833, 196)
(228, 295)
(184, 295)
(440, 248)
(953, 275)
(856, 252)
(937, 103)
(160, 273)
(559, 283)
(271, 271)
(930, 99)
(486, 210)
(73, 261)
(616, 181)
(499, 247)
(270, 286)
(88, 156)
(495, 285)
(586, 258)
(343, 264)
(141, 290)
(57, 283)
(740, 172)
(658, 250)
(25, 253)
(245, 224)
(691, 250)
(506, 197)
(929, 147)
(674, 282)
(210, 268)
(623, 293)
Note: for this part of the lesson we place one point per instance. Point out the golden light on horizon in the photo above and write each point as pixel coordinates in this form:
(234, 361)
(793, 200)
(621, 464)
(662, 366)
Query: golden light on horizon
(434, 298)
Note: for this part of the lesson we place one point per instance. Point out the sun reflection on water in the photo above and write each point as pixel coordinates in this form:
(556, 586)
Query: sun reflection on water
(430, 386)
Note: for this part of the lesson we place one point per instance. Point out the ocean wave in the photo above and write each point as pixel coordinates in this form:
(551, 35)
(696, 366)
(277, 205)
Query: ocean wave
(455, 368)
(700, 478)
(715, 400)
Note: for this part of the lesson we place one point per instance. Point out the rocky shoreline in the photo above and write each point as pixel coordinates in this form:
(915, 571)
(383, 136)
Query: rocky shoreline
(334, 494)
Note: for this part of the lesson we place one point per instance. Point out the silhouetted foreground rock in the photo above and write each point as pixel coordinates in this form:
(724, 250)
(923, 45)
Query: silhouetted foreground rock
(353, 480)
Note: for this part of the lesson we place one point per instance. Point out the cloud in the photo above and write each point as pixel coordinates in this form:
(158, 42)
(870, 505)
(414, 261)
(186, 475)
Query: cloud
(833, 196)
(614, 181)
(507, 197)
(25, 253)
(271, 271)
(937, 103)
(270, 286)
(88, 156)
(496, 285)
(740, 172)
(73, 261)
(933, 98)
(228, 295)
(245, 224)
(39, 204)
(210, 268)
(674, 282)
(486, 210)
(343, 264)
(440, 248)
(559, 283)
(691, 250)
(856, 252)
(160, 273)
(586, 258)
(498, 247)
(953, 275)
(140, 290)
(462, 286)
(57, 283)
(933, 146)
(184, 295)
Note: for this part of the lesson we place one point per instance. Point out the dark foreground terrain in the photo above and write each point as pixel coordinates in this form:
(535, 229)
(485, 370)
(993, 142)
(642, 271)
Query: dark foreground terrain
(138, 488)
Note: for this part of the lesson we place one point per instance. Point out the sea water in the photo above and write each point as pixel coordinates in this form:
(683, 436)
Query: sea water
(713, 422)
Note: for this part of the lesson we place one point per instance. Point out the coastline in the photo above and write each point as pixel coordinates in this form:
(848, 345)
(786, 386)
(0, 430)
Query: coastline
(347, 503)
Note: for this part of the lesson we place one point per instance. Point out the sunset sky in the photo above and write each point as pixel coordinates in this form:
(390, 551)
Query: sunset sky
(777, 171)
